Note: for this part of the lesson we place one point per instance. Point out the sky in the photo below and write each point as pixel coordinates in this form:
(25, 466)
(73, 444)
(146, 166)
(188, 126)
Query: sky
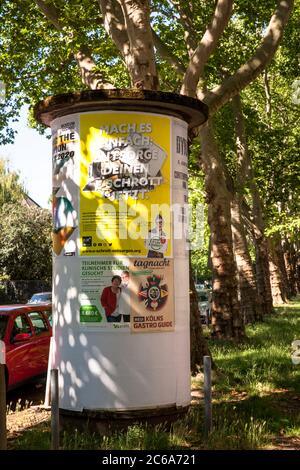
(30, 156)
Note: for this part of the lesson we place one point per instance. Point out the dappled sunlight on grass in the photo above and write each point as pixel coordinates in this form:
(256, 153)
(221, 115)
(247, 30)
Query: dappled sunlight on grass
(257, 378)
(256, 399)
(263, 361)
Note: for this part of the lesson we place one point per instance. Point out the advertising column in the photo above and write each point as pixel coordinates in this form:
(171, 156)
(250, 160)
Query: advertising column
(120, 281)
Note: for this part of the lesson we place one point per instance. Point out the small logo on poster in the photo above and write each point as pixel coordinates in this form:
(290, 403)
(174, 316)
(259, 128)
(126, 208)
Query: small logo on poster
(90, 314)
(87, 241)
(139, 319)
(153, 294)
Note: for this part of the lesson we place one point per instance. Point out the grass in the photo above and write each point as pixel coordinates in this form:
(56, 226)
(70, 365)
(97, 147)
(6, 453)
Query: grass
(263, 363)
(19, 405)
(258, 384)
(37, 438)
(256, 398)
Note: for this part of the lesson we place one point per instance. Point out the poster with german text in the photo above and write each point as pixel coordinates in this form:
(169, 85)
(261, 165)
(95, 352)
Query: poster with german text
(125, 186)
(104, 295)
(151, 295)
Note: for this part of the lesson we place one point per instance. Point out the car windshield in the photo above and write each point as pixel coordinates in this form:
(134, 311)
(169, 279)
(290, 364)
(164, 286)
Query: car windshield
(3, 323)
(36, 298)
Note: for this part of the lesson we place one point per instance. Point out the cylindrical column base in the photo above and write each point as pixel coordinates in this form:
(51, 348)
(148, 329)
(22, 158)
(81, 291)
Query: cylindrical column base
(121, 268)
(106, 422)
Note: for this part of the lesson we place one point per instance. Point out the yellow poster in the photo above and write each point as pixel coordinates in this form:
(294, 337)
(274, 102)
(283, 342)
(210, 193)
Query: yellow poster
(125, 172)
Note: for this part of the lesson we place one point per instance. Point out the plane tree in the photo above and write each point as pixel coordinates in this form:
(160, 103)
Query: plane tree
(198, 48)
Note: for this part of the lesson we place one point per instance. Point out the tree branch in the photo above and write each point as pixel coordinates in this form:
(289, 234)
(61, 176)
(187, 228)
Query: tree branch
(254, 66)
(51, 13)
(139, 57)
(91, 78)
(127, 22)
(186, 19)
(166, 54)
(114, 23)
(268, 106)
(252, 229)
(95, 80)
(206, 46)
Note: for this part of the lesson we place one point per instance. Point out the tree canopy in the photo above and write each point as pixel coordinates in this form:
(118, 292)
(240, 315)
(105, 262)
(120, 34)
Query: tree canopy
(25, 249)
(11, 188)
(48, 47)
(211, 50)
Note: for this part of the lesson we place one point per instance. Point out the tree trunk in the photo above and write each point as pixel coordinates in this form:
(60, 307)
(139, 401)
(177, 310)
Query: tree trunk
(226, 318)
(245, 178)
(277, 288)
(290, 265)
(263, 275)
(261, 251)
(296, 258)
(281, 263)
(250, 305)
(90, 76)
(139, 54)
(199, 347)
(128, 24)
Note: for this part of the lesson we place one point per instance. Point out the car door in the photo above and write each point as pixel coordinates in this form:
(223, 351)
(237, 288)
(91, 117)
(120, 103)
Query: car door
(40, 345)
(48, 314)
(18, 353)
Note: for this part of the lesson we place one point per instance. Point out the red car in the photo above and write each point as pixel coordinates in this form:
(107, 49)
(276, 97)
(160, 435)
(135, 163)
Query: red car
(26, 332)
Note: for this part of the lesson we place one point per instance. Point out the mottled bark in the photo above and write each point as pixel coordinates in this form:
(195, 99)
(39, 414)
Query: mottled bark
(128, 24)
(249, 71)
(290, 261)
(255, 228)
(281, 263)
(277, 281)
(277, 258)
(139, 56)
(268, 105)
(199, 347)
(245, 177)
(92, 78)
(249, 301)
(51, 13)
(204, 49)
(263, 275)
(227, 321)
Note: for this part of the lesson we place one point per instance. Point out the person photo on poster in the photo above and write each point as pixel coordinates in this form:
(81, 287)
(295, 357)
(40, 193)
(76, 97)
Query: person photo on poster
(125, 297)
(157, 242)
(110, 300)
